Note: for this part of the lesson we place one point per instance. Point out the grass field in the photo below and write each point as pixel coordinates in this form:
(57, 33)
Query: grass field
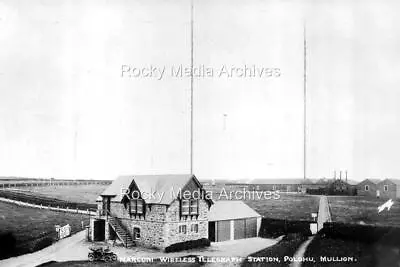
(286, 247)
(33, 228)
(290, 206)
(71, 193)
(352, 209)
(364, 255)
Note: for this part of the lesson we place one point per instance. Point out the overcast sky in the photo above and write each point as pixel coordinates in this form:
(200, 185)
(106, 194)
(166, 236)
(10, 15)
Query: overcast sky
(66, 110)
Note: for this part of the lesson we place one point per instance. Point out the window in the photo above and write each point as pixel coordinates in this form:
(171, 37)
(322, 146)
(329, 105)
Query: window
(185, 207)
(139, 206)
(366, 187)
(136, 206)
(182, 229)
(385, 188)
(194, 228)
(136, 233)
(194, 207)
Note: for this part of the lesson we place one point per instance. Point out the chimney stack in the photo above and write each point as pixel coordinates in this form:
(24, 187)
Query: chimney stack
(334, 175)
(340, 175)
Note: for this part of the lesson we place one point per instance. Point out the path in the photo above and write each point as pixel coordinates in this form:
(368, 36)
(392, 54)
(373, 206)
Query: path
(75, 248)
(324, 215)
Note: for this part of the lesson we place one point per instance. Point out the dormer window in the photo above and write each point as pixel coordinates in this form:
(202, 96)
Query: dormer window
(194, 204)
(189, 207)
(136, 206)
(185, 207)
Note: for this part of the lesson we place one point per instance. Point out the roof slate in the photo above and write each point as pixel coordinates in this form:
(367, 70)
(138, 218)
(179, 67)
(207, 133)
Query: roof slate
(230, 210)
(164, 187)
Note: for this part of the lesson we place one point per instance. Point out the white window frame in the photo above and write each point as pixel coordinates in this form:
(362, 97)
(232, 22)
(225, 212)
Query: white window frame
(182, 229)
(385, 188)
(366, 187)
(133, 205)
(194, 207)
(194, 228)
(185, 209)
(135, 233)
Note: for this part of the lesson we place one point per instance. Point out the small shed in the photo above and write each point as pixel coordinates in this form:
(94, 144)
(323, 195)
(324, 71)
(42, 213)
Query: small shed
(231, 220)
(389, 188)
(368, 187)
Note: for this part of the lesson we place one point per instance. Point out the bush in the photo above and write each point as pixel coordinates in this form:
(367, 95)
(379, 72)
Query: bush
(42, 243)
(272, 228)
(203, 242)
(7, 245)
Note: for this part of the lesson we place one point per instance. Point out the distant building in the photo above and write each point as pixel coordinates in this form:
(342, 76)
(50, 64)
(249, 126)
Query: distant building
(389, 188)
(368, 187)
(284, 185)
(342, 187)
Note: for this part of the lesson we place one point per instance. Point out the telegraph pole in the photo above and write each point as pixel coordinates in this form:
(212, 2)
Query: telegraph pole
(191, 86)
(305, 102)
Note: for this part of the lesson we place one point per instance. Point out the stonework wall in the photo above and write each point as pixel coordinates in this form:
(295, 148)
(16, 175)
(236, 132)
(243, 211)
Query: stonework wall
(151, 225)
(173, 220)
(159, 227)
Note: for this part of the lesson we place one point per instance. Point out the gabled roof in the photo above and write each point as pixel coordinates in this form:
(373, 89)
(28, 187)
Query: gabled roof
(351, 182)
(395, 181)
(164, 187)
(374, 181)
(230, 210)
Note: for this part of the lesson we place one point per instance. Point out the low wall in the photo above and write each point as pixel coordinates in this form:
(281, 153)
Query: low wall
(25, 204)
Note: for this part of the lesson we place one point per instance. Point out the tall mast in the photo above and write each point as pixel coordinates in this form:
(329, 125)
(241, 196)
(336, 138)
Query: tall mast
(305, 102)
(191, 87)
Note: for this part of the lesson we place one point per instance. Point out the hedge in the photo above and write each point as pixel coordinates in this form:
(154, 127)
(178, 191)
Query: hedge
(272, 228)
(363, 233)
(203, 242)
(7, 245)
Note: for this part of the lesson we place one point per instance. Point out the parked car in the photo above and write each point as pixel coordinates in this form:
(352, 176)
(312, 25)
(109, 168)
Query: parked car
(101, 254)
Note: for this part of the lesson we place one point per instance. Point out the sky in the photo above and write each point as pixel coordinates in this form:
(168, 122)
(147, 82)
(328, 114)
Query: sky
(77, 99)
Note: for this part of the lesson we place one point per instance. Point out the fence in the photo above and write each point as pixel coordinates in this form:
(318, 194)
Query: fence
(91, 212)
(19, 184)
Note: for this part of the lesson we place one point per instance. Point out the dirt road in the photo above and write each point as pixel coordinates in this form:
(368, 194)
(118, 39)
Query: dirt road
(75, 248)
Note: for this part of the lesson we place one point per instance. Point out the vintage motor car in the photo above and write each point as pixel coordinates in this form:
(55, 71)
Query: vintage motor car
(101, 254)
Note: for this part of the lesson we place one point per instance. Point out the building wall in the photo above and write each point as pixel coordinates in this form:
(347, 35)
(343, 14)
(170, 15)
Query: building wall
(372, 189)
(159, 227)
(151, 225)
(173, 221)
(276, 187)
(392, 189)
(398, 191)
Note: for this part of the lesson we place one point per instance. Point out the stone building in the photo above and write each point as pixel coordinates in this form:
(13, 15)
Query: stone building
(368, 187)
(389, 188)
(153, 211)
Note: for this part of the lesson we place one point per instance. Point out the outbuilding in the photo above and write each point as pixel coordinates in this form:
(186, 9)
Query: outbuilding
(231, 220)
(368, 187)
(389, 188)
